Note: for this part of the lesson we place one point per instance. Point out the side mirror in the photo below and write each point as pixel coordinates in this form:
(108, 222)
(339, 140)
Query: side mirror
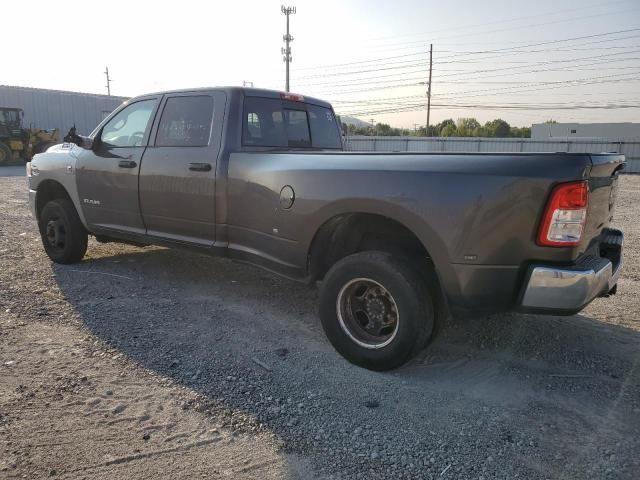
(83, 142)
(87, 143)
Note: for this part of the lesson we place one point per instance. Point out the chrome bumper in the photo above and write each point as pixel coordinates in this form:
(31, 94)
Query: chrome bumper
(570, 289)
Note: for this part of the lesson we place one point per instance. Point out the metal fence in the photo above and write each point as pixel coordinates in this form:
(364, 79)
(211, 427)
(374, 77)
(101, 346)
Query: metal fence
(631, 149)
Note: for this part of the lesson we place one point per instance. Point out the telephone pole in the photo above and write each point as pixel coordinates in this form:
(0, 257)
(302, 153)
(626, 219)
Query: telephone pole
(286, 51)
(246, 83)
(106, 72)
(429, 88)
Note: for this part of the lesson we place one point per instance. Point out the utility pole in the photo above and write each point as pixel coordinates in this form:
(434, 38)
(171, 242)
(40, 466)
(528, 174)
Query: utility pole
(429, 88)
(286, 51)
(373, 126)
(106, 72)
(245, 83)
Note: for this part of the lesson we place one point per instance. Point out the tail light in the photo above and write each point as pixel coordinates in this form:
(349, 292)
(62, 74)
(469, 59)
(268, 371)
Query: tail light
(565, 215)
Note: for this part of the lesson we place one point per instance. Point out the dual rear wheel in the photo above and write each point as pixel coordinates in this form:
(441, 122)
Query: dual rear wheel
(377, 309)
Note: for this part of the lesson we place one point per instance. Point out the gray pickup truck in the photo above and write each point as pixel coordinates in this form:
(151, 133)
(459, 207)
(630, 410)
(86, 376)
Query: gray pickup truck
(397, 241)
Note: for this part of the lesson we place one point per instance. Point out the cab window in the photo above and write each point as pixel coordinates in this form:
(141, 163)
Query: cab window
(269, 122)
(129, 127)
(185, 122)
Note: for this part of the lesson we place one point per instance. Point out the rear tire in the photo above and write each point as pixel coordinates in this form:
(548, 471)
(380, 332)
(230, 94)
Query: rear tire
(5, 154)
(376, 309)
(63, 235)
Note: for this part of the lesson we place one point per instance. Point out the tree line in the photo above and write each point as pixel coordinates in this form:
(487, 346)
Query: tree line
(463, 127)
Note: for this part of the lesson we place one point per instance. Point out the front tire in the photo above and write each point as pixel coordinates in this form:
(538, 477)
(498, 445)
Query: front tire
(63, 235)
(376, 309)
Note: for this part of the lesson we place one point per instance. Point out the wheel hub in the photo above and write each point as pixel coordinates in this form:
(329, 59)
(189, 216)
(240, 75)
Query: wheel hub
(55, 233)
(367, 313)
(376, 309)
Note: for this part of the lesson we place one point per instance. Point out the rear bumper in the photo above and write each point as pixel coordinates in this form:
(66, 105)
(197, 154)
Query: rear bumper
(567, 290)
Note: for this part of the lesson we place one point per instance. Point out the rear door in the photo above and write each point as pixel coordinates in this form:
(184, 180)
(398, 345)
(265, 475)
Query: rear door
(178, 172)
(107, 176)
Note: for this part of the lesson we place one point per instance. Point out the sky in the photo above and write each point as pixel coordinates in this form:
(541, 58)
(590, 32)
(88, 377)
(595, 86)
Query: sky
(524, 62)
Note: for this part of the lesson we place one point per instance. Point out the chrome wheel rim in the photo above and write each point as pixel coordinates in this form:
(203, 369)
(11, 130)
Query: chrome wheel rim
(367, 313)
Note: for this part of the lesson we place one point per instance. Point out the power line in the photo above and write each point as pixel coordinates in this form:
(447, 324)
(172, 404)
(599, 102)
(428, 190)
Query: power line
(521, 27)
(408, 106)
(588, 80)
(417, 84)
(414, 106)
(462, 77)
(454, 106)
(373, 79)
(335, 74)
(412, 98)
(505, 49)
(502, 21)
(358, 62)
(550, 62)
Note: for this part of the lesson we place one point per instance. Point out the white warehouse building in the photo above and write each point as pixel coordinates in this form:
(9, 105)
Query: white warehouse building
(608, 131)
(47, 109)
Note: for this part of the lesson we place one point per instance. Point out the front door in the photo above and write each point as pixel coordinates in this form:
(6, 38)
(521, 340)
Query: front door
(178, 172)
(107, 176)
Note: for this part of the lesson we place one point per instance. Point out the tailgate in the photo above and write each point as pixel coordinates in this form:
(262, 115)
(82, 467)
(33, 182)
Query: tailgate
(603, 186)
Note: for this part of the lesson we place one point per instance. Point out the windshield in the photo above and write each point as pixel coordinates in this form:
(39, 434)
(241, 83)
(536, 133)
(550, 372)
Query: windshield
(9, 118)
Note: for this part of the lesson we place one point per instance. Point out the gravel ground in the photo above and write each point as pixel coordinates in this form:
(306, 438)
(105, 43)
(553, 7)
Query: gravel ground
(156, 363)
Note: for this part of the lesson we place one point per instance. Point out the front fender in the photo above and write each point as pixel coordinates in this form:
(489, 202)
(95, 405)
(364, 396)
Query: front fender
(57, 164)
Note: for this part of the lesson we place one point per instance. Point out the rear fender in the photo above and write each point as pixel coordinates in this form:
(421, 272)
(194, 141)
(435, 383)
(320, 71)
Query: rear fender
(427, 236)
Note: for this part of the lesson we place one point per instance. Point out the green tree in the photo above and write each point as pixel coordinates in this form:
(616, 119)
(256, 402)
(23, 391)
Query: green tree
(497, 128)
(386, 130)
(440, 126)
(520, 132)
(449, 131)
(466, 126)
(482, 132)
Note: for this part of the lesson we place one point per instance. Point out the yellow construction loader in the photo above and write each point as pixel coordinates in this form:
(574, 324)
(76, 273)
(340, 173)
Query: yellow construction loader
(18, 143)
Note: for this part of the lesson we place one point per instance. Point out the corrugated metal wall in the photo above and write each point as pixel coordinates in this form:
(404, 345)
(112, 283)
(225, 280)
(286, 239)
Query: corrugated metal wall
(46, 109)
(631, 149)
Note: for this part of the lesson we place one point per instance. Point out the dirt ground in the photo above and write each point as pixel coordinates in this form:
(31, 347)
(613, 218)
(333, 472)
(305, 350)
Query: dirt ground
(156, 363)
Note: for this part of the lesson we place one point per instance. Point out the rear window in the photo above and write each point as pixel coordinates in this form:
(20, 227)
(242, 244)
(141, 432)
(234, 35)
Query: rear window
(269, 122)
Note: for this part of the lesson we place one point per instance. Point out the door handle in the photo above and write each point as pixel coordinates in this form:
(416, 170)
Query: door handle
(127, 164)
(200, 167)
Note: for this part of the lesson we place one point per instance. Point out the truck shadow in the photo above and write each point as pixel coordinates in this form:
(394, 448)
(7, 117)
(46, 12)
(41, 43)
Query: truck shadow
(240, 335)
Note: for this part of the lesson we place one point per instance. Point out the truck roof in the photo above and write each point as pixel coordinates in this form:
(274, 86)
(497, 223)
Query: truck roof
(247, 92)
